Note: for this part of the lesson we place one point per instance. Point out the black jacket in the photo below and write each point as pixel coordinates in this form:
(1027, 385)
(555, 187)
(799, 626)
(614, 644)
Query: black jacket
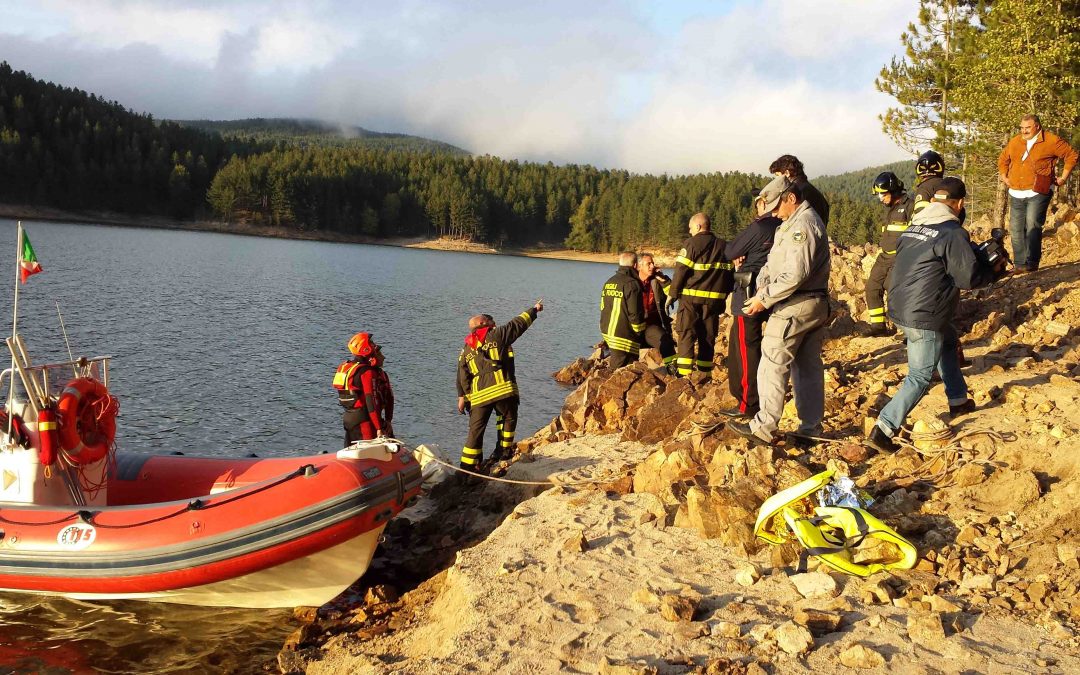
(817, 200)
(896, 221)
(934, 261)
(754, 242)
(485, 371)
(702, 274)
(622, 315)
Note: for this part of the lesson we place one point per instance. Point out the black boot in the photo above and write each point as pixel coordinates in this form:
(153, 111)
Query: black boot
(878, 440)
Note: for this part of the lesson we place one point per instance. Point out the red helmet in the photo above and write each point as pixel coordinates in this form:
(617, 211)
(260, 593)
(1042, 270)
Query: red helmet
(362, 345)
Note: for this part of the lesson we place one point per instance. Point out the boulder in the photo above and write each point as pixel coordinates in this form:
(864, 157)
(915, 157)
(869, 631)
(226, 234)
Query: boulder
(727, 513)
(815, 585)
(657, 420)
(574, 373)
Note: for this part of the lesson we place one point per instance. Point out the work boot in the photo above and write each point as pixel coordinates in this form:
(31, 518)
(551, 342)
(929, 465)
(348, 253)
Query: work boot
(743, 429)
(964, 408)
(875, 330)
(880, 441)
(737, 414)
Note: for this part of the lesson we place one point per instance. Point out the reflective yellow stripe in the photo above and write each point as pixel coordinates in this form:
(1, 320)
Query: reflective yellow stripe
(488, 394)
(705, 365)
(704, 267)
(621, 344)
(528, 318)
(896, 227)
(638, 327)
(669, 360)
(711, 295)
(685, 371)
(877, 319)
(878, 311)
(666, 289)
(613, 320)
(681, 260)
(46, 426)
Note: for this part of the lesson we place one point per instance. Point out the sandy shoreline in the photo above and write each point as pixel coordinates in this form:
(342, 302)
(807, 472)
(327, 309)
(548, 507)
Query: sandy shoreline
(24, 212)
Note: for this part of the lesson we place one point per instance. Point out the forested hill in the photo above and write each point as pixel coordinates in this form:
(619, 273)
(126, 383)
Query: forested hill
(66, 148)
(316, 132)
(857, 184)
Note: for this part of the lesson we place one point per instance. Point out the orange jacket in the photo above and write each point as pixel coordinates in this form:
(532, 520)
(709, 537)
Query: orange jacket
(1037, 171)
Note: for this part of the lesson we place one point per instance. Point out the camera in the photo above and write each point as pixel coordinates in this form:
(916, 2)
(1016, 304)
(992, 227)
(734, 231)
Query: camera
(992, 251)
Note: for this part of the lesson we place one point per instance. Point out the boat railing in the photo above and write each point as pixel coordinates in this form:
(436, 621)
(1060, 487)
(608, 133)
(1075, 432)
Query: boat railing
(96, 367)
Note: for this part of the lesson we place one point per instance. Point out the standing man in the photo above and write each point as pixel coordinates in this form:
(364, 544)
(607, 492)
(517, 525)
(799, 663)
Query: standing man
(791, 168)
(622, 314)
(703, 279)
(654, 288)
(890, 191)
(486, 382)
(794, 285)
(749, 251)
(364, 392)
(1026, 167)
(934, 261)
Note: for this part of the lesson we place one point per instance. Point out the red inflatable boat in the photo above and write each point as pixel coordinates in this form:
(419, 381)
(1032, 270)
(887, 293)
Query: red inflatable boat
(78, 519)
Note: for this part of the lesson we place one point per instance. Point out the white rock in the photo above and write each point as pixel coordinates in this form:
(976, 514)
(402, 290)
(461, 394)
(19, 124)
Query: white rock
(794, 639)
(815, 585)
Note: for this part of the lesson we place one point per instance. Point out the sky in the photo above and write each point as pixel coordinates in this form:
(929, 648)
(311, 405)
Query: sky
(652, 87)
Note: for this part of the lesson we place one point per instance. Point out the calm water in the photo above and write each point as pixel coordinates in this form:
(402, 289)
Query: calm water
(227, 345)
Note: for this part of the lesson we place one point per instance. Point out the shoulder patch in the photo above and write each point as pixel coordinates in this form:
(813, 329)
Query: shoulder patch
(798, 236)
(682, 252)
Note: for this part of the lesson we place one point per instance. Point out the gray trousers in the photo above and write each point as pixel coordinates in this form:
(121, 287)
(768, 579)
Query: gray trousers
(791, 346)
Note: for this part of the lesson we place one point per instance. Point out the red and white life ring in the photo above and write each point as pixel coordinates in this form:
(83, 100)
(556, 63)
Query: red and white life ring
(87, 414)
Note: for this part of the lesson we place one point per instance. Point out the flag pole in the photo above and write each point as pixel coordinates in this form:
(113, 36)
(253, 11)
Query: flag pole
(14, 333)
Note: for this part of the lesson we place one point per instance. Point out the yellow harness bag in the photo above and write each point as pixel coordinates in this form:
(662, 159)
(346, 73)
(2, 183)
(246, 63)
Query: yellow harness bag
(828, 533)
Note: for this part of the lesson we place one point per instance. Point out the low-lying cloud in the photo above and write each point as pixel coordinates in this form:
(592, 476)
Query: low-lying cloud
(566, 82)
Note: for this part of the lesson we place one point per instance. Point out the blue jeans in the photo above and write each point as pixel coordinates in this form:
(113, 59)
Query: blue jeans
(926, 349)
(1026, 219)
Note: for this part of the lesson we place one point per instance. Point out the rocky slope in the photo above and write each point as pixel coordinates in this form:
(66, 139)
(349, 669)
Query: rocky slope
(644, 561)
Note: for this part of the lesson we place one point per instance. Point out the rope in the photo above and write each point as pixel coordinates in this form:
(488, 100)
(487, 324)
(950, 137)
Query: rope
(430, 454)
(941, 462)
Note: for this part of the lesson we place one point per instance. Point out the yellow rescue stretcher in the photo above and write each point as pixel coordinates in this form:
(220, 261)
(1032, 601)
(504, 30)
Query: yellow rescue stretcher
(828, 533)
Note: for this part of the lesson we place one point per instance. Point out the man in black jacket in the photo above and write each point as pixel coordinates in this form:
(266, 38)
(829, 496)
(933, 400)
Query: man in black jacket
(934, 260)
(890, 190)
(791, 168)
(748, 251)
(622, 314)
(702, 281)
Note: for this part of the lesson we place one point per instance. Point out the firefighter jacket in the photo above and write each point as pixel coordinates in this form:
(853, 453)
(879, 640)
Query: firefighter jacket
(622, 311)
(702, 276)
(363, 386)
(486, 364)
(896, 221)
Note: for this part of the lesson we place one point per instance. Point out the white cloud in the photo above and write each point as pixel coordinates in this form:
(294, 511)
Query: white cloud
(596, 82)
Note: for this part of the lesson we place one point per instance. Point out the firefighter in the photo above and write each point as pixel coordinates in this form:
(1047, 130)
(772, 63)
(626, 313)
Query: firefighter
(701, 284)
(622, 312)
(890, 191)
(364, 392)
(929, 170)
(486, 383)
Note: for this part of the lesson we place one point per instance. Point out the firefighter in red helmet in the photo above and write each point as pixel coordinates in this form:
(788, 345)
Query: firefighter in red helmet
(364, 392)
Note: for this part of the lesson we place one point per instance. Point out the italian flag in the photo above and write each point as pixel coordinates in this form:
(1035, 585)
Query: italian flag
(28, 262)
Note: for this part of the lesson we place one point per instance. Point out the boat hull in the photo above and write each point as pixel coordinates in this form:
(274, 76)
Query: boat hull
(263, 533)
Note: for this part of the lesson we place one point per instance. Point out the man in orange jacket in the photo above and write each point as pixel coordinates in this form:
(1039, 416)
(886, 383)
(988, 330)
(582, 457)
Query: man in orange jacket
(1026, 166)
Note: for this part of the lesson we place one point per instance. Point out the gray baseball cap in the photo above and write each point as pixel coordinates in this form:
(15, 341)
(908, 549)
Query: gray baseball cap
(772, 192)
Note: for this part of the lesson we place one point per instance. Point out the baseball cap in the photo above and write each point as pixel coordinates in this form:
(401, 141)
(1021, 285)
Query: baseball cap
(950, 188)
(772, 192)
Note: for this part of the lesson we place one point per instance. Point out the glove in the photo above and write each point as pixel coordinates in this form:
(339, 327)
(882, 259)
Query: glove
(669, 307)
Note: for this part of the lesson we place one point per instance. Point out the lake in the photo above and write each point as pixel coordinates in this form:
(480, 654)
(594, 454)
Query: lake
(227, 345)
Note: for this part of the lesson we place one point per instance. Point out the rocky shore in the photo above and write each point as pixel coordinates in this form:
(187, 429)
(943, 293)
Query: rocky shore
(641, 558)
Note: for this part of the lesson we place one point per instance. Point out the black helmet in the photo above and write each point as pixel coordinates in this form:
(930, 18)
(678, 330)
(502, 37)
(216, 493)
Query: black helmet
(930, 163)
(887, 183)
